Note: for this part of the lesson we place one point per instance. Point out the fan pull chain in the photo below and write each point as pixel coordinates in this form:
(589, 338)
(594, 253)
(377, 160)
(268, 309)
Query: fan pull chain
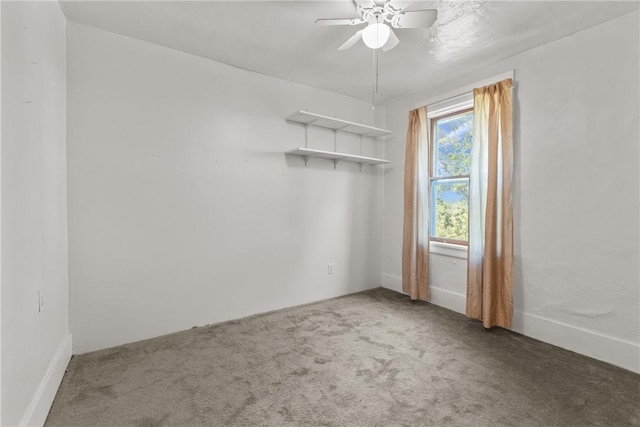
(374, 90)
(375, 53)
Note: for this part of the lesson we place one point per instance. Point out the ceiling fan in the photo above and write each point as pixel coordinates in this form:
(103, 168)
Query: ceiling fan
(380, 16)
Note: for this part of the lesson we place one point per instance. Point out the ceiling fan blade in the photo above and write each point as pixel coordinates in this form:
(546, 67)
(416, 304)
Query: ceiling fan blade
(366, 4)
(340, 21)
(352, 40)
(391, 43)
(415, 19)
(399, 5)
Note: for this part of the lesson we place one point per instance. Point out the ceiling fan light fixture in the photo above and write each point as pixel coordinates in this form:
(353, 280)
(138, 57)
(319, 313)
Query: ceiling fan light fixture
(376, 35)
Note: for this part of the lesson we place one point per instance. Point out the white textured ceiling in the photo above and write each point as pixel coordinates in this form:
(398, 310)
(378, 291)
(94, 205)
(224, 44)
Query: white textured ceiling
(279, 38)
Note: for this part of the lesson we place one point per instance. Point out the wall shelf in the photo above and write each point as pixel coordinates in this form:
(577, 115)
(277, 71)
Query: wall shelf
(337, 125)
(314, 119)
(332, 155)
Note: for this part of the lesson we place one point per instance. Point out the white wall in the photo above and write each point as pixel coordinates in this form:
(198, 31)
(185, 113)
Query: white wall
(0, 216)
(36, 345)
(183, 208)
(575, 197)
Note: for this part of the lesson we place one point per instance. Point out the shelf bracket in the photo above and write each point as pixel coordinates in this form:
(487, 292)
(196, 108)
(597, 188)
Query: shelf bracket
(361, 151)
(306, 160)
(335, 163)
(306, 136)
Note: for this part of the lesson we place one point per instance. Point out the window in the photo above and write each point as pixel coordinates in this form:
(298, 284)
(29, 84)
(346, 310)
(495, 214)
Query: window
(449, 176)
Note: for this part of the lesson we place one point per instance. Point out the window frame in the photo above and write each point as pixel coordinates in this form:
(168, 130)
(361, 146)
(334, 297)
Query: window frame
(433, 119)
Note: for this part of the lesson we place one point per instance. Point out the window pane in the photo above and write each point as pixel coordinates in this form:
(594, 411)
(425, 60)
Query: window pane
(450, 209)
(452, 149)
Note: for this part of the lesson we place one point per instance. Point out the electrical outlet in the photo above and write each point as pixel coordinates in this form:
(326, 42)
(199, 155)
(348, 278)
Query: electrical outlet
(330, 268)
(40, 300)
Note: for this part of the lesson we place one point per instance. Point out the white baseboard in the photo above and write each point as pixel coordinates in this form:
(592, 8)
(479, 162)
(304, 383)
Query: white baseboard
(448, 299)
(615, 351)
(38, 410)
(390, 281)
(439, 296)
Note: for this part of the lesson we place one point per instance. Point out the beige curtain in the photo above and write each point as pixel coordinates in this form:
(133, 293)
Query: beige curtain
(490, 261)
(415, 245)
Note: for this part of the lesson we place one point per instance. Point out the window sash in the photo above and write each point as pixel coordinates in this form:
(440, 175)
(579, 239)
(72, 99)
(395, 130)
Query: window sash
(433, 210)
(449, 241)
(432, 149)
(435, 178)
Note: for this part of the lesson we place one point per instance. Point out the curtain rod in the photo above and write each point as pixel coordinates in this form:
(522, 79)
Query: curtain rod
(468, 89)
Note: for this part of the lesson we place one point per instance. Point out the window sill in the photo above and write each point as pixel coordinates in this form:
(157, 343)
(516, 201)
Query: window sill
(447, 249)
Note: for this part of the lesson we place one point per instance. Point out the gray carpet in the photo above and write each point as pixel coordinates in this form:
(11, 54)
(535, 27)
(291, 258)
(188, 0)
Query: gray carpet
(368, 359)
